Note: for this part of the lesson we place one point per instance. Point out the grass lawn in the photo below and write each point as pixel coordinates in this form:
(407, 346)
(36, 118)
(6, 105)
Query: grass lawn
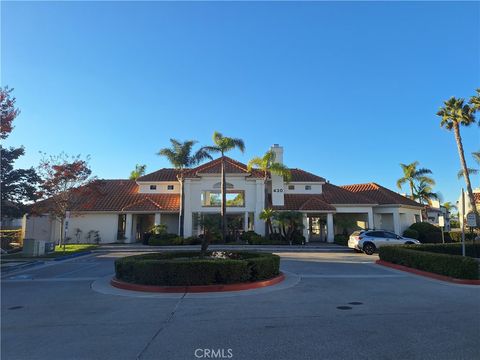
(69, 249)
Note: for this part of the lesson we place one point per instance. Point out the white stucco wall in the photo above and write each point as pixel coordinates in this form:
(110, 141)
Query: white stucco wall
(162, 187)
(105, 223)
(299, 188)
(42, 228)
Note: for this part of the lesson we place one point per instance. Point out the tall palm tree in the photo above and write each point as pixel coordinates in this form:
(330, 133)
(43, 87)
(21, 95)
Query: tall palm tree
(412, 175)
(471, 171)
(454, 114)
(181, 157)
(424, 193)
(475, 101)
(139, 171)
(449, 206)
(223, 144)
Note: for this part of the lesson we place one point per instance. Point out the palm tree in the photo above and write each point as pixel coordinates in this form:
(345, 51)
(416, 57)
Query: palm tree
(424, 193)
(475, 101)
(268, 215)
(455, 113)
(411, 175)
(181, 158)
(222, 145)
(139, 171)
(471, 171)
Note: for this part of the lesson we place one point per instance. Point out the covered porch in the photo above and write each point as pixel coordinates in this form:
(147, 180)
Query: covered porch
(133, 226)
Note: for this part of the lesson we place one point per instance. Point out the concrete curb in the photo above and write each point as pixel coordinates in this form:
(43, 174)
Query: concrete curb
(428, 274)
(197, 288)
(71, 256)
(103, 286)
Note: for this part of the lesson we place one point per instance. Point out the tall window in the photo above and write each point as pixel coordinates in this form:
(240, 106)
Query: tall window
(122, 225)
(214, 198)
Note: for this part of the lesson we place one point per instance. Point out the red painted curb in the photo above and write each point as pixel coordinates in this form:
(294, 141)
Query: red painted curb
(428, 274)
(197, 288)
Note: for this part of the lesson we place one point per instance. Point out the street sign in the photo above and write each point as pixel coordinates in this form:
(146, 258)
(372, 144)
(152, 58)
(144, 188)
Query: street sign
(441, 221)
(471, 219)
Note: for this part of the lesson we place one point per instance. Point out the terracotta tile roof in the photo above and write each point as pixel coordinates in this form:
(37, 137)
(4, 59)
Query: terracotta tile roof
(161, 175)
(305, 202)
(116, 195)
(231, 167)
(339, 195)
(302, 175)
(380, 194)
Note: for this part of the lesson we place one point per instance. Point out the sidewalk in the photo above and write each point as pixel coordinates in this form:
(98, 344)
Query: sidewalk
(273, 248)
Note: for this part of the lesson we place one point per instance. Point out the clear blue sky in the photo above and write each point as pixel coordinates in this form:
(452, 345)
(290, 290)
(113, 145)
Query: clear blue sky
(349, 89)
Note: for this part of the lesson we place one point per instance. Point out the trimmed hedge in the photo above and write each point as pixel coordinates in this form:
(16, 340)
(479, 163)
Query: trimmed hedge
(341, 239)
(471, 249)
(411, 233)
(444, 264)
(186, 268)
(456, 236)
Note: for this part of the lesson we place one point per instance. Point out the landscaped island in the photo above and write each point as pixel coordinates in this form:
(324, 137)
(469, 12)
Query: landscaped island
(191, 269)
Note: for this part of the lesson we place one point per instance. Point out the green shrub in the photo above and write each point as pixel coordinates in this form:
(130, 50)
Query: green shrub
(247, 235)
(165, 240)
(427, 233)
(260, 240)
(186, 268)
(298, 238)
(191, 240)
(471, 249)
(341, 239)
(411, 233)
(444, 264)
(456, 236)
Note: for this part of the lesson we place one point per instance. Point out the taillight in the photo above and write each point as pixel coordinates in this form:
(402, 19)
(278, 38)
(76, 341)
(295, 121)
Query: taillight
(359, 238)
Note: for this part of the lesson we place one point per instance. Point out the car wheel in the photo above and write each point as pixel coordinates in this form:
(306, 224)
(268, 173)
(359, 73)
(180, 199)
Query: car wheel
(357, 251)
(369, 248)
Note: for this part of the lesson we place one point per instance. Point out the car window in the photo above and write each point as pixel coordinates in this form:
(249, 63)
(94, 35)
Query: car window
(378, 234)
(390, 235)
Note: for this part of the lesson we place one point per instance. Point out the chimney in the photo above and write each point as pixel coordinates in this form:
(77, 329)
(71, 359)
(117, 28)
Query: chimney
(277, 180)
(278, 150)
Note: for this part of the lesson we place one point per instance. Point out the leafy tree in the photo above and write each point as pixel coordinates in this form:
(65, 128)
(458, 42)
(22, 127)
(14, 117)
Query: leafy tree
(139, 171)
(412, 174)
(424, 193)
(456, 113)
(181, 157)
(64, 179)
(223, 144)
(17, 186)
(475, 101)
(289, 223)
(268, 215)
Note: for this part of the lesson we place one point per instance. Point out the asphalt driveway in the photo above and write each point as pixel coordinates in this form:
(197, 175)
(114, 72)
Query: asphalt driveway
(343, 307)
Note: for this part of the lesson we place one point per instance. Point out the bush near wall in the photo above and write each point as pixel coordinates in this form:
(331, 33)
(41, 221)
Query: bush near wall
(444, 264)
(427, 233)
(411, 233)
(456, 236)
(186, 268)
(471, 249)
(341, 239)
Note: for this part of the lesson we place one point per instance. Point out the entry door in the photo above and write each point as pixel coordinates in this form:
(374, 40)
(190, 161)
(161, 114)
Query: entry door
(316, 229)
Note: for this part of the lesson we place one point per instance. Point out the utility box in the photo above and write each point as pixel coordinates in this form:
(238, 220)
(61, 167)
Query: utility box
(33, 247)
(49, 247)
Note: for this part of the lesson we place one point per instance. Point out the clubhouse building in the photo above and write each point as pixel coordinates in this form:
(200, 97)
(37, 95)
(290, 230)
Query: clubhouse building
(123, 210)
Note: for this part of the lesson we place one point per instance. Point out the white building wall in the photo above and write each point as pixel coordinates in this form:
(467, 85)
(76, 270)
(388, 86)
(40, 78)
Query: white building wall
(162, 187)
(299, 188)
(105, 223)
(42, 228)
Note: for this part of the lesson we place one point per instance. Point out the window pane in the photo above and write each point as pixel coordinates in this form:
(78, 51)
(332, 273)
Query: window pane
(214, 198)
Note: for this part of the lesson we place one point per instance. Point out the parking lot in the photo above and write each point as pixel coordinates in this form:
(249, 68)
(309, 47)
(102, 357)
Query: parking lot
(343, 307)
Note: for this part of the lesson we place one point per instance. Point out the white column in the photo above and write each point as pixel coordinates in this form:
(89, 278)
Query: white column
(305, 228)
(187, 220)
(396, 222)
(245, 221)
(130, 237)
(158, 219)
(330, 228)
(371, 224)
